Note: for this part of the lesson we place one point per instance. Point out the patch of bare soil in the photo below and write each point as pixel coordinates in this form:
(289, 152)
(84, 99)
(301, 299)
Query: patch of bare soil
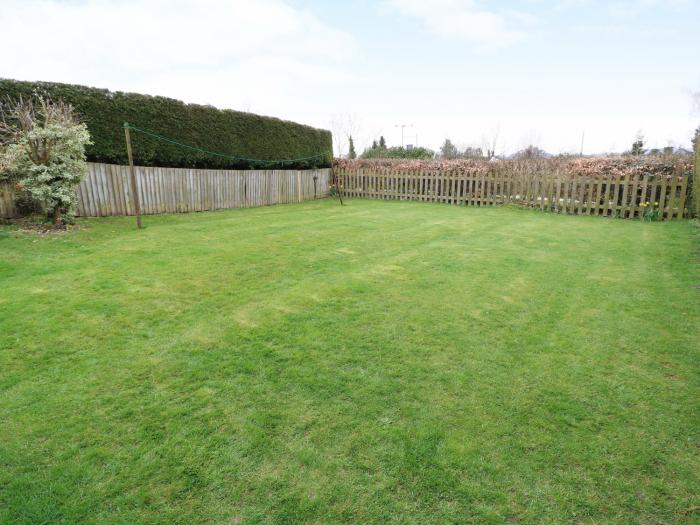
(37, 227)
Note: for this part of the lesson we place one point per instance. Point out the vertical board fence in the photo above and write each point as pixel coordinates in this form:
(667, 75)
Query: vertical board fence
(106, 190)
(615, 196)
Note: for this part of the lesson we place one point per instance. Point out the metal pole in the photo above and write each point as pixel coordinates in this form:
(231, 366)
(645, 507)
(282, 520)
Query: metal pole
(132, 177)
(402, 126)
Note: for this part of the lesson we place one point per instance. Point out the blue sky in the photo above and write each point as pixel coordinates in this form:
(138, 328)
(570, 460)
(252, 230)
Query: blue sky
(517, 71)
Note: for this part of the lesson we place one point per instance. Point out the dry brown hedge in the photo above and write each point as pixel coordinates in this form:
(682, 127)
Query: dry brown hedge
(616, 166)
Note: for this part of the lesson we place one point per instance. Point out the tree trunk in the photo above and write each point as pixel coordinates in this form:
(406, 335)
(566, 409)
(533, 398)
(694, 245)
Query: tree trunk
(57, 215)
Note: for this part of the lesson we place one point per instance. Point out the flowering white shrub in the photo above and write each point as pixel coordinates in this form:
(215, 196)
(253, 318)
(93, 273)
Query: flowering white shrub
(44, 153)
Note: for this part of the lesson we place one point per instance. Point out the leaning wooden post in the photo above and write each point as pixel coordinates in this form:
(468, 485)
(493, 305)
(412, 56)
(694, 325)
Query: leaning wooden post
(335, 178)
(132, 177)
(696, 179)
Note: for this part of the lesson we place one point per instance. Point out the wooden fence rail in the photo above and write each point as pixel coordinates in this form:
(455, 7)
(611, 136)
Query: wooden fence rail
(623, 196)
(106, 190)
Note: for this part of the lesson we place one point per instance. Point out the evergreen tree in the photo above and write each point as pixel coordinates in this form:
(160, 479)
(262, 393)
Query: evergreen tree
(382, 142)
(374, 144)
(638, 146)
(351, 148)
(449, 150)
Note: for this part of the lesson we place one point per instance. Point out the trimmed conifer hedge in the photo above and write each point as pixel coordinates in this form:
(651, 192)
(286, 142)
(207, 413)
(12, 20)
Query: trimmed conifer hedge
(233, 133)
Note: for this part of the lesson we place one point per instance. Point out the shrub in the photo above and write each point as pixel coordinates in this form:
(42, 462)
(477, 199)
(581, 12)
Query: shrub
(233, 133)
(397, 152)
(611, 166)
(26, 204)
(44, 152)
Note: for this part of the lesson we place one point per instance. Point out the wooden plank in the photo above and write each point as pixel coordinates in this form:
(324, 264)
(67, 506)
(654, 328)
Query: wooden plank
(569, 190)
(606, 194)
(633, 197)
(671, 197)
(90, 193)
(662, 196)
(624, 205)
(652, 190)
(118, 189)
(589, 198)
(94, 186)
(583, 182)
(642, 197)
(680, 212)
(599, 196)
(146, 196)
(541, 193)
(614, 206)
(7, 196)
(98, 193)
(121, 176)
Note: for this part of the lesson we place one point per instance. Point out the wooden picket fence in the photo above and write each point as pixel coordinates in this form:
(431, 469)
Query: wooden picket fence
(623, 196)
(106, 190)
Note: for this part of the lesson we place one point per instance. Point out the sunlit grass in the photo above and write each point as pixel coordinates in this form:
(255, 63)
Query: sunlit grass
(383, 362)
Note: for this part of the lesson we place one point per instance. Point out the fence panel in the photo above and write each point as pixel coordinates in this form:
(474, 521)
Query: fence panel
(622, 196)
(106, 191)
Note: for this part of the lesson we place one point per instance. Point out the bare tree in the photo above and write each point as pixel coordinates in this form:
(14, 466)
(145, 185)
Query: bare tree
(343, 126)
(489, 141)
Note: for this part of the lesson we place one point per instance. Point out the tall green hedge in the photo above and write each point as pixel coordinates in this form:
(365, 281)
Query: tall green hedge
(225, 131)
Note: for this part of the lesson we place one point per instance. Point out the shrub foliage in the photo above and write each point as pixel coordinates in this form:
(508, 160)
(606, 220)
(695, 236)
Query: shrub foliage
(612, 166)
(43, 153)
(233, 133)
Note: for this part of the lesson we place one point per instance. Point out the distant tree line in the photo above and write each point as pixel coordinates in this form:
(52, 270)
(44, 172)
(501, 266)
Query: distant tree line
(449, 151)
(379, 150)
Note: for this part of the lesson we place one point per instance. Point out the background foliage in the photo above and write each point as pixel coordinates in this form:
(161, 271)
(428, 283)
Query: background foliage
(397, 152)
(226, 131)
(617, 166)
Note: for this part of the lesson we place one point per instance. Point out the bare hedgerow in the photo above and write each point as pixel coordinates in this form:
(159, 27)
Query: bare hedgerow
(593, 167)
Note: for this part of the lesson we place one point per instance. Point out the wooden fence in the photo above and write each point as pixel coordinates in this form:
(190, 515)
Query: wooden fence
(623, 196)
(106, 190)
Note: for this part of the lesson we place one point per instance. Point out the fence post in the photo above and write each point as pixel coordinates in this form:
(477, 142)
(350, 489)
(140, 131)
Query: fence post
(695, 210)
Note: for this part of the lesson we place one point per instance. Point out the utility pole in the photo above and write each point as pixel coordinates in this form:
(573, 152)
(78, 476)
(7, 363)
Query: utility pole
(403, 126)
(583, 135)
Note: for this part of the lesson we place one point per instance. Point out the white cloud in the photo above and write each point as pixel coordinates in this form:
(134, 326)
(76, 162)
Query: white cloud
(465, 20)
(269, 57)
(232, 53)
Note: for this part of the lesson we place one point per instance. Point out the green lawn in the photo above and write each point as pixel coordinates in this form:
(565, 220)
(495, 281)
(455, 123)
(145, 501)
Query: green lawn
(383, 362)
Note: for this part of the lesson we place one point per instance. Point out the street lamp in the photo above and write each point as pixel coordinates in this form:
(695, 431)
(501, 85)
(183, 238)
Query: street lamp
(403, 126)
